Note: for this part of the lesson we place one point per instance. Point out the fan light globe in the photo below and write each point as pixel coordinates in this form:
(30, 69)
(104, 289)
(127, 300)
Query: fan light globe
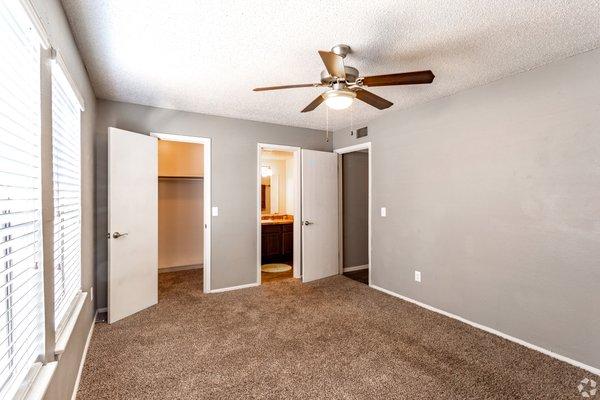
(339, 99)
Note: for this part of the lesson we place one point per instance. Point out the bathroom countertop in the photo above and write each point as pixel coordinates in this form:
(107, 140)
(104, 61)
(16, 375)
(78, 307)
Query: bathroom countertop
(276, 221)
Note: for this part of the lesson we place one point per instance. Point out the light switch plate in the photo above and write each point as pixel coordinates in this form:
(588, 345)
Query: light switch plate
(92, 293)
(215, 211)
(417, 276)
(383, 212)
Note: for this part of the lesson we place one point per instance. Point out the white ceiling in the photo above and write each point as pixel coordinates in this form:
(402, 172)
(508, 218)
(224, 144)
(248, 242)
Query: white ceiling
(206, 56)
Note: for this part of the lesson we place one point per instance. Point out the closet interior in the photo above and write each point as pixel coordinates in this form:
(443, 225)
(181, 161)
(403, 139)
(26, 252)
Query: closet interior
(180, 206)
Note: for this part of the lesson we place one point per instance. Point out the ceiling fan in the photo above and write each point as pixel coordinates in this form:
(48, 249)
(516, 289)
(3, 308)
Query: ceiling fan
(345, 84)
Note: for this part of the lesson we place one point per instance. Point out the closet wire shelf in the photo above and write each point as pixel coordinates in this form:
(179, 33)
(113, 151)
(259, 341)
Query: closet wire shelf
(193, 178)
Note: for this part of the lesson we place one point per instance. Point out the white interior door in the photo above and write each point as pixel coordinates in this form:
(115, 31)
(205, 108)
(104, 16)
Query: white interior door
(132, 223)
(319, 215)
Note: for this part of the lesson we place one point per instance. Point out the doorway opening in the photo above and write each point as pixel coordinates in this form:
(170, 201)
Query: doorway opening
(278, 213)
(354, 179)
(183, 210)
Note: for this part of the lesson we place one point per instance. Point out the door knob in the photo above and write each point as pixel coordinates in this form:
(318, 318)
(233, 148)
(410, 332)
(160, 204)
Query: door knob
(117, 235)
(308, 223)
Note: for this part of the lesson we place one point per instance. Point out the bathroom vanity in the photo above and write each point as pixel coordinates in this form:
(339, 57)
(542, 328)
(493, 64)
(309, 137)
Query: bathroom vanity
(277, 238)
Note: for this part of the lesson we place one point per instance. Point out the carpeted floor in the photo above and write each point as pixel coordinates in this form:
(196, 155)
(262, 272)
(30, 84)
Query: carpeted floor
(334, 338)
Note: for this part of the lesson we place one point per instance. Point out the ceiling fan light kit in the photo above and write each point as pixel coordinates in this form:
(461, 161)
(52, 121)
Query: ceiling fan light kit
(339, 99)
(345, 83)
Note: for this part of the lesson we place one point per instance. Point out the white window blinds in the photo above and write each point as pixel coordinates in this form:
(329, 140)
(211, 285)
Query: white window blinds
(66, 144)
(21, 294)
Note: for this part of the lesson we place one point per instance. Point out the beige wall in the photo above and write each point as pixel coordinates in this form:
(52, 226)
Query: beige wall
(494, 195)
(281, 163)
(277, 203)
(55, 22)
(180, 159)
(180, 222)
(180, 204)
(290, 185)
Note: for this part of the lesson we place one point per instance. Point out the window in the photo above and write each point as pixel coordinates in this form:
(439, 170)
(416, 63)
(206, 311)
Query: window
(21, 291)
(66, 131)
(22, 156)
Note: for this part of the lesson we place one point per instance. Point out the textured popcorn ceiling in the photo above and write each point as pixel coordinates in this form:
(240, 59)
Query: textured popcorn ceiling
(206, 56)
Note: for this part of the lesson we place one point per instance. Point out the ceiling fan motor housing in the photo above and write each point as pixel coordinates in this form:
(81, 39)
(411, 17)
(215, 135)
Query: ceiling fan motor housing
(351, 75)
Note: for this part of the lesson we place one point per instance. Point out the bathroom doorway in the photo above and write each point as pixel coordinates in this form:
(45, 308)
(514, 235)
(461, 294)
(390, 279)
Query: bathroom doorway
(278, 213)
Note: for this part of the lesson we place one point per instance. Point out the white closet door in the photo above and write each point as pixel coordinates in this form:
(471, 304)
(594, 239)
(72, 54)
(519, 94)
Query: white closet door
(319, 214)
(132, 223)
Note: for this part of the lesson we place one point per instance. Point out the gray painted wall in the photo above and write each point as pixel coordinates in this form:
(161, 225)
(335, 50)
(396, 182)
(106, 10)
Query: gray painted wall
(494, 195)
(234, 158)
(53, 17)
(355, 189)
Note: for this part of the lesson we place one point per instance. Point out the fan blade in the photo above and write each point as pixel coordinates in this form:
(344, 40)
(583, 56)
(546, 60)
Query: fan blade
(405, 78)
(262, 89)
(314, 104)
(334, 64)
(373, 100)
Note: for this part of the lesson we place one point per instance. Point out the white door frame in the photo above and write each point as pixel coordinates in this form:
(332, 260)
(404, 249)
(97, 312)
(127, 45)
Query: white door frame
(207, 196)
(344, 150)
(297, 271)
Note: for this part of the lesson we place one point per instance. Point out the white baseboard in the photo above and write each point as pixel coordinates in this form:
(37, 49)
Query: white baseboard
(227, 289)
(83, 356)
(356, 268)
(547, 352)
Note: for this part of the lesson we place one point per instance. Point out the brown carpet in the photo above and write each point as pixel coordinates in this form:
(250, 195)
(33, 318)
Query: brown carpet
(335, 338)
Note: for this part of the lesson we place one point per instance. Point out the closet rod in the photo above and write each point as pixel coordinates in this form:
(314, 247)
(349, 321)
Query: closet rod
(194, 178)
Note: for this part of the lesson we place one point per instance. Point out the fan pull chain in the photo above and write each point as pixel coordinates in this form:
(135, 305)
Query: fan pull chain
(327, 124)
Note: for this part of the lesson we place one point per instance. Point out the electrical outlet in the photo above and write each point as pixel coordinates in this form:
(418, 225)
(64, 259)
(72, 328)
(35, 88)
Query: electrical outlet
(383, 212)
(215, 211)
(417, 276)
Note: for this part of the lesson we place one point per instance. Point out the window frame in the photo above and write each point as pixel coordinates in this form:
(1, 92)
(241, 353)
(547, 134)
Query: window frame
(54, 336)
(58, 66)
(16, 388)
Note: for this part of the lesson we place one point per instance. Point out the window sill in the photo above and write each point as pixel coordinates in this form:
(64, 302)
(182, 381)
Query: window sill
(40, 384)
(63, 338)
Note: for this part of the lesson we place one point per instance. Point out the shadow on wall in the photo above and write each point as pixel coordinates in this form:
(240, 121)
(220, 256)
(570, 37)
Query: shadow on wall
(100, 220)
